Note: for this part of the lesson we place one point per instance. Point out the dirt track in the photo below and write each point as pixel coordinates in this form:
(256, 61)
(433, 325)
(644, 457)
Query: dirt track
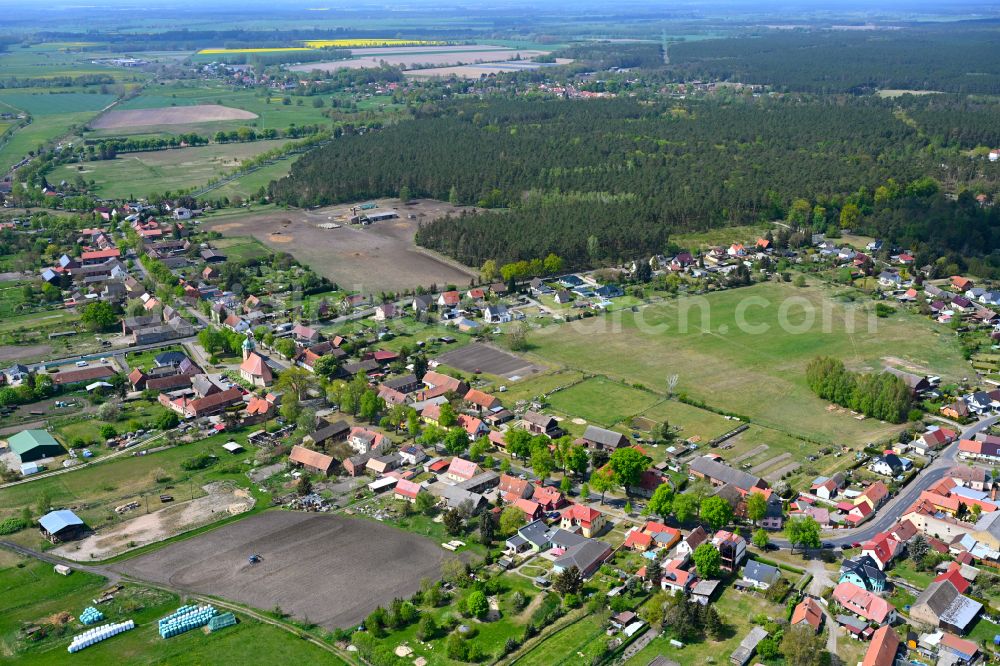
(328, 569)
(170, 115)
(378, 257)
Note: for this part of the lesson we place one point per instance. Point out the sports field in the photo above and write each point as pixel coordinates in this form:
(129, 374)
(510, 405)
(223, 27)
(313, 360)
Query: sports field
(756, 369)
(141, 174)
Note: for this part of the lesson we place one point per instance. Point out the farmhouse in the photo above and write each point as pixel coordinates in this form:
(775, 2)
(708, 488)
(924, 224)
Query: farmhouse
(941, 605)
(312, 461)
(720, 474)
(602, 439)
(541, 424)
(32, 445)
(587, 556)
(81, 375)
(333, 432)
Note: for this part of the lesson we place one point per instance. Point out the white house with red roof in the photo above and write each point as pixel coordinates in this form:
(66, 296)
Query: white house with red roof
(462, 470)
(882, 548)
(579, 517)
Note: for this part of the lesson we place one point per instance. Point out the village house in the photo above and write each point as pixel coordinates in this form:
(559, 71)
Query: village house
(807, 612)
(864, 604)
(883, 648)
(588, 521)
(365, 441)
(941, 605)
(312, 461)
(760, 576)
(462, 470)
(602, 439)
(864, 572)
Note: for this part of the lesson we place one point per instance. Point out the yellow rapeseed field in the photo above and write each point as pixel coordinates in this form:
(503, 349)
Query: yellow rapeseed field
(367, 43)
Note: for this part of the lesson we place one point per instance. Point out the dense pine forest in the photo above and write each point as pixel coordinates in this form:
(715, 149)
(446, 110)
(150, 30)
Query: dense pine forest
(605, 180)
(949, 59)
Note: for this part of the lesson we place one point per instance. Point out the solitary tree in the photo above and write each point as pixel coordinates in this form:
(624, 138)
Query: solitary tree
(662, 501)
(707, 560)
(803, 531)
(756, 507)
(570, 581)
(716, 512)
(602, 481)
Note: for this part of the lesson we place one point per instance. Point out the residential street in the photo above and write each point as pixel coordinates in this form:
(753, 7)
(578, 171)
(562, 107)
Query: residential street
(890, 513)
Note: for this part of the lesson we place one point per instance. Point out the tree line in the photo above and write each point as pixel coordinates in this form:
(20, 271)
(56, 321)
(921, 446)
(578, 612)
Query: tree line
(934, 58)
(880, 395)
(599, 181)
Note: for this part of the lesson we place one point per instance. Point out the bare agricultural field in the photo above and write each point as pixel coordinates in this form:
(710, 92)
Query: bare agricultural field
(475, 71)
(376, 50)
(315, 566)
(170, 115)
(379, 257)
(477, 357)
(422, 59)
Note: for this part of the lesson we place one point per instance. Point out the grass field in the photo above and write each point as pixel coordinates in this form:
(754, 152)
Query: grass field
(141, 174)
(93, 492)
(736, 610)
(32, 593)
(273, 114)
(731, 350)
(578, 643)
(55, 103)
(601, 401)
(41, 130)
(241, 248)
(248, 185)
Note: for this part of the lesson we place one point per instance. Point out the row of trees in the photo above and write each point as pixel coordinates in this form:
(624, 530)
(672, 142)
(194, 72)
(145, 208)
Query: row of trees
(879, 395)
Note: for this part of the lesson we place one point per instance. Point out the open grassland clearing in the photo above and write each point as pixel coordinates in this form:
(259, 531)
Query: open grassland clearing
(292, 543)
(25, 337)
(248, 185)
(142, 173)
(379, 257)
(94, 492)
(581, 642)
(602, 401)
(241, 248)
(32, 594)
(745, 351)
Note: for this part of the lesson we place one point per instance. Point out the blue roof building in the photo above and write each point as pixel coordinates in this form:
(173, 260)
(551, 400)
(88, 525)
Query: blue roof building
(61, 525)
